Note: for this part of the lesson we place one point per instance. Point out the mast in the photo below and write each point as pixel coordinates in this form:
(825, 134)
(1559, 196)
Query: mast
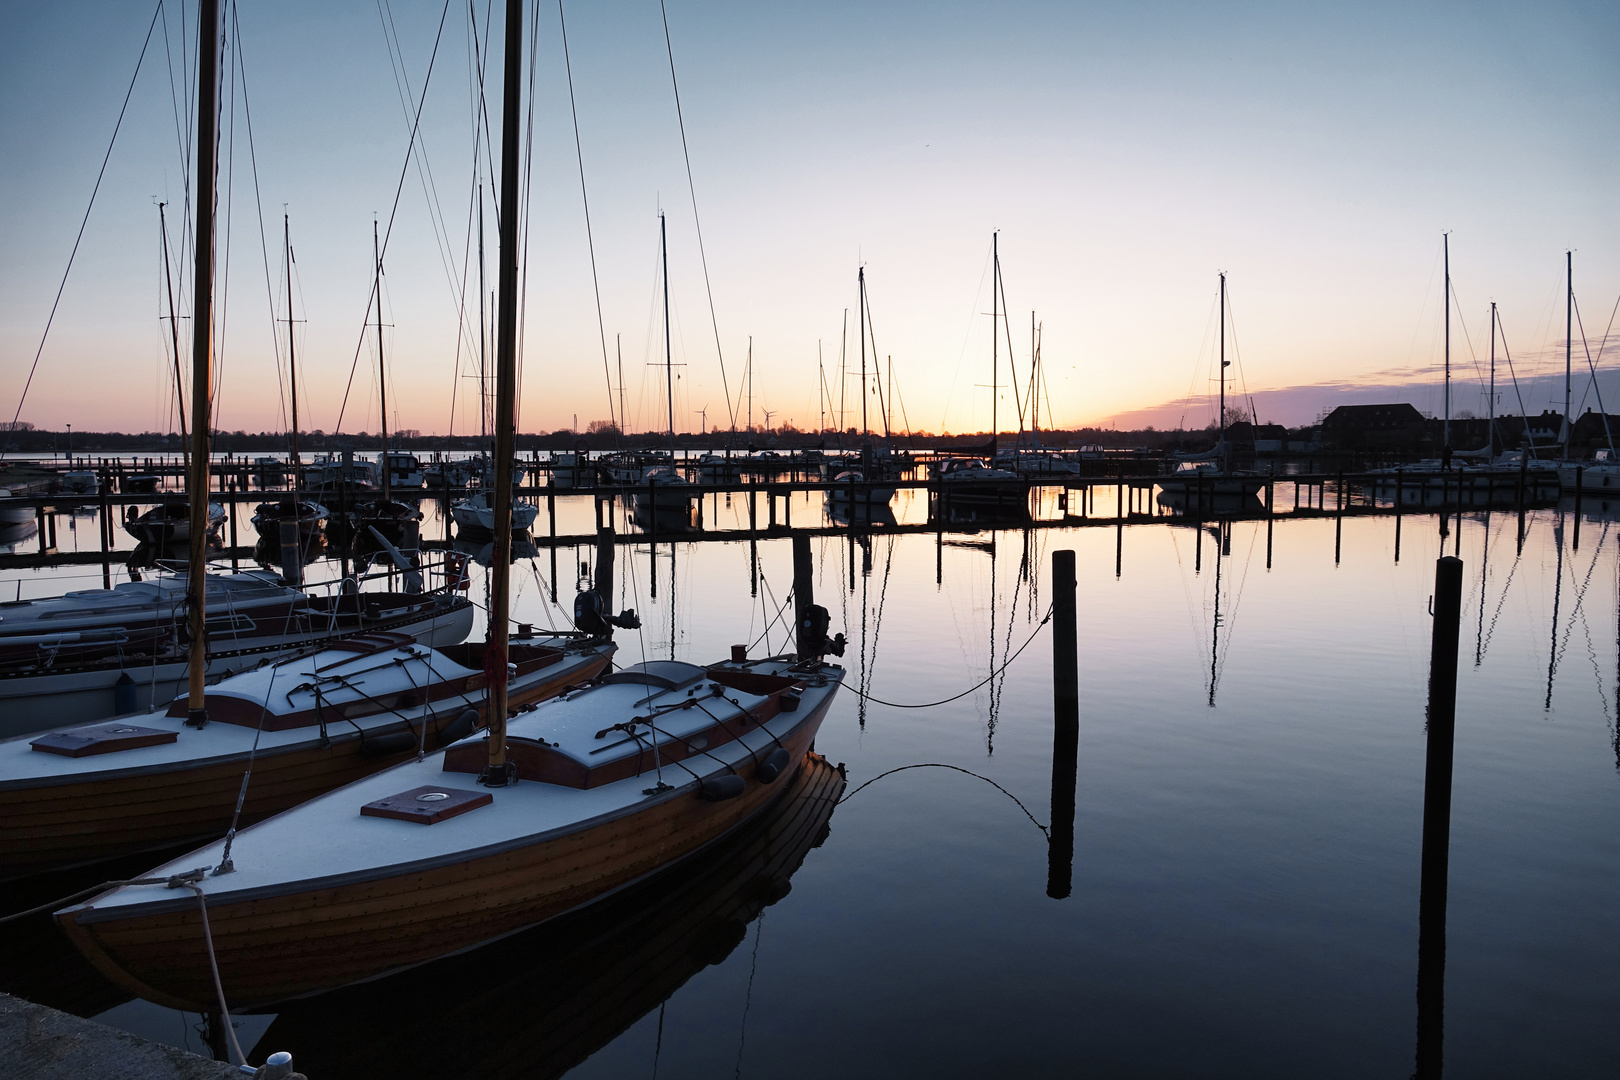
(174, 336)
(1569, 336)
(1445, 440)
(669, 370)
(499, 773)
(202, 357)
(821, 393)
(1225, 462)
(843, 372)
(1034, 385)
(292, 367)
(750, 384)
(860, 332)
(1490, 426)
(483, 377)
(624, 424)
(382, 368)
(995, 280)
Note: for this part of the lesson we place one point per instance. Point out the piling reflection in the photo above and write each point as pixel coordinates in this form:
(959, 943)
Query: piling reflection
(538, 1003)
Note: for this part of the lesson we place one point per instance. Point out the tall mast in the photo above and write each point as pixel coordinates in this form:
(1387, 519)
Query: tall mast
(995, 279)
(382, 368)
(174, 336)
(292, 366)
(624, 424)
(1569, 336)
(1490, 426)
(860, 332)
(1223, 374)
(1034, 385)
(843, 372)
(750, 383)
(483, 377)
(202, 356)
(669, 371)
(498, 773)
(1445, 441)
(821, 391)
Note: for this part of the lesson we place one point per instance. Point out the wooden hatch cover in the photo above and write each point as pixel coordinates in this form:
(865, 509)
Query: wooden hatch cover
(101, 739)
(427, 805)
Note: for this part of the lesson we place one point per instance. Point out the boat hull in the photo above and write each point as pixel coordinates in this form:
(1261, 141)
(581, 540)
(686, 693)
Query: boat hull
(46, 826)
(32, 702)
(359, 927)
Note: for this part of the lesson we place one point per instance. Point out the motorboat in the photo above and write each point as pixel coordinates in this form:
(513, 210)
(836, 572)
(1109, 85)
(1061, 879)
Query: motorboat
(169, 523)
(476, 512)
(664, 500)
(404, 469)
(850, 488)
(93, 653)
(11, 513)
(969, 482)
(299, 726)
(81, 482)
(307, 515)
(616, 782)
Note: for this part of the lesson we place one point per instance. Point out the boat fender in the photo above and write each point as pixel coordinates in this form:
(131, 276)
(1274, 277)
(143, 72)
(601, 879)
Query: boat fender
(721, 788)
(124, 695)
(458, 729)
(769, 769)
(396, 742)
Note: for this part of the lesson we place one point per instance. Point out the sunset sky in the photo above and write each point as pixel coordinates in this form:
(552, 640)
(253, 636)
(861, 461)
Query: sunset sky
(1125, 153)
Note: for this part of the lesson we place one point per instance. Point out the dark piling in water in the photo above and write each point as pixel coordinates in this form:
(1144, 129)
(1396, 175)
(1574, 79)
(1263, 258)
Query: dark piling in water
(1065, 725)
(1442, 726)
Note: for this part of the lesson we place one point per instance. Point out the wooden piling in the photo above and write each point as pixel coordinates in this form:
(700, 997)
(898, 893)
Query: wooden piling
(1065, 726)
(1442, 725)
(803, 597)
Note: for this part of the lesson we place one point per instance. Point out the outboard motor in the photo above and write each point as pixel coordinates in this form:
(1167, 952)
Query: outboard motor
(591, 617)
(816, 642)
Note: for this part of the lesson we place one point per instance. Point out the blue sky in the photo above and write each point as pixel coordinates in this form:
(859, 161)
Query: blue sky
(1314, 152)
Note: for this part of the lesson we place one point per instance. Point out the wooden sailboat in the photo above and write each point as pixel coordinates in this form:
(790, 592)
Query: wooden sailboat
(864, 479)
(549, 998)
(588, 793)
(299, 727)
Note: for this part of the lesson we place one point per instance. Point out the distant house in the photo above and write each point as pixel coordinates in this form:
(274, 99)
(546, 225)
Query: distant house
(1388, 427)
(1592, 432)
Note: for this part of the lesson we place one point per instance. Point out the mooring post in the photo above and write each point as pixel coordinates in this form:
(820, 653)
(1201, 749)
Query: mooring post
(1442, 726)
(292, 563)
(803, 597)
(1119, 548)
(232, 516)
(1065, 726)
(1576, 544)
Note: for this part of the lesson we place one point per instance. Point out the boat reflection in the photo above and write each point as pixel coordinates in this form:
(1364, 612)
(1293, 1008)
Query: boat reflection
(1225, 504)
(542, 1001)
(480, 546)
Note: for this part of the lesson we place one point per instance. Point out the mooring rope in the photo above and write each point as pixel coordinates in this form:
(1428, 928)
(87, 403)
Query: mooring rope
(955, 768)
(213, 965)
(954, 697)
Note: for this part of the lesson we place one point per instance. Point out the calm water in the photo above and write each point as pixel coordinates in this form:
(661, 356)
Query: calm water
(1249, 808)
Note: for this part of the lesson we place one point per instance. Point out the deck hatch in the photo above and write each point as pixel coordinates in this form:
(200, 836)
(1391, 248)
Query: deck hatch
(427, 805)
(101, 739)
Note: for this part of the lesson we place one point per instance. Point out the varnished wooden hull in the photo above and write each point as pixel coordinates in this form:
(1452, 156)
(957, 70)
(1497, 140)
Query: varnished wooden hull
(546, 999)
(319, 935)
(49, 825)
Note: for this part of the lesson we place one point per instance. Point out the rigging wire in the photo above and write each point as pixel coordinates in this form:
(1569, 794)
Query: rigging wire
(29, 382)
(692, 188)
(579, 152)
(388, 232)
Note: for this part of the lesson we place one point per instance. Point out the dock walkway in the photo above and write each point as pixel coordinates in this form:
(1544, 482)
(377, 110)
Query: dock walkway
(39, 1043)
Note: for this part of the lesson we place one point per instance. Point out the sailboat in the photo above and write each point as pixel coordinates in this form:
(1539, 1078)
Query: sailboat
(558, 807)
(854, 495)
(549, 998)
(1211, 477)
(1603, 472)
(667, 504)
(307, 515)
(382, 516)
(969, 483)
